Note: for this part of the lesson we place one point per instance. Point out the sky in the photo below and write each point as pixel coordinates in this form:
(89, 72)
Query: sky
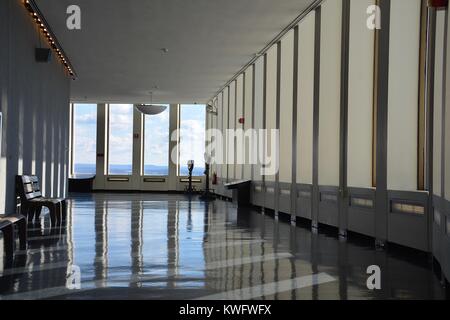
(120, 134)
(192, 135)
(156, 135)
(85, 131)
(157, 139)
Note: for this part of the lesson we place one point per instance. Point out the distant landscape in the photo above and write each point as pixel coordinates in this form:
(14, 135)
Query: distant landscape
(151, 170)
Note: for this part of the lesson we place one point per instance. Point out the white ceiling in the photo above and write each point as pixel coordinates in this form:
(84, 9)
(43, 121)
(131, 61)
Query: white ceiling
(117, 53)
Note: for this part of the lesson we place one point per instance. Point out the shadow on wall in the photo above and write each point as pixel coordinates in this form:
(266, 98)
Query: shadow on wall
(35, 107)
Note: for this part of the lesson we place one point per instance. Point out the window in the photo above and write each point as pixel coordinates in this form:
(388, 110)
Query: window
(192, 138)
(156, 144)
(84, 139)
(120, 148)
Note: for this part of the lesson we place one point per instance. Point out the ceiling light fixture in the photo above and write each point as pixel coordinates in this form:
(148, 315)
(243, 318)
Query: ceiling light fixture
(151, 109)
(45, 29)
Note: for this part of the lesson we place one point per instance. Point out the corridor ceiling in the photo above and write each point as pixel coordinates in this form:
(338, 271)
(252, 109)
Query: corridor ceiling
(118, 54)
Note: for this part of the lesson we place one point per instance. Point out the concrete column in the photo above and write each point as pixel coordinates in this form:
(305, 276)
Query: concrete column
(173, 148)
(382, 54)
(101, 159)
(138, 156)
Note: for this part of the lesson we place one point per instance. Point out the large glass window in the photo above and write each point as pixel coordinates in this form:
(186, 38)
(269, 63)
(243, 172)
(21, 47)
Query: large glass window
(156, 147)
(84, 139)
(192, 138)
(120, 139)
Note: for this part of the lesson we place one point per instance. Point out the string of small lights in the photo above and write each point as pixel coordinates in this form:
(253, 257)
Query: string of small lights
(44, 27)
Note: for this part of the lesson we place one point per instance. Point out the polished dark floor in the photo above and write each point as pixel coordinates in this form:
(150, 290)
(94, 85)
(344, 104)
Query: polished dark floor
(156, 246)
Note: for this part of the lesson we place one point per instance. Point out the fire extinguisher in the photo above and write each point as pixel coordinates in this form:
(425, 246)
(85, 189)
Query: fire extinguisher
(214, 179)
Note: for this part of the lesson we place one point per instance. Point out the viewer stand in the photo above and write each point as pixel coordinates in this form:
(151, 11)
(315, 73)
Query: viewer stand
(190, 166)
(207, 194)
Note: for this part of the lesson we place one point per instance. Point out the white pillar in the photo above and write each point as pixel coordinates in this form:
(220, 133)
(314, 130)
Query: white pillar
(101, 157)
(173, 178)
(138, 133)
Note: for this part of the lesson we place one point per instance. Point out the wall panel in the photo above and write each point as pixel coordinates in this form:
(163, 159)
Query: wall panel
(259, 108)
(239, 114)
(329, 106)
(403, 95)
(447, 117)
(225, 107)
(286, 106)
(213, 126)
(271, 103)
(305, 99)
(231, 151)
(438, 102)
(248, 118)
(360, 96)
(220, 111)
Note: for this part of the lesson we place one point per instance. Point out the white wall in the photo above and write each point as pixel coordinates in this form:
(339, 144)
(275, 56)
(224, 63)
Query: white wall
(447, 118)
(220, 114)
(232, 125)
(239, 114)
(402, 100)
(213, 125)
(225, 107)
(271, 101)
(248, 124)
(330, 82)
(34, 100)
(305, 109)
(360, 96)
(438, 102)
(403, 94)
(259, 98)
(286, 106)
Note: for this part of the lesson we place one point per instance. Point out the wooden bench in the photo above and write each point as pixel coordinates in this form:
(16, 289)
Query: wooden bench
(7, 224)
(8, 237)
(32, 201)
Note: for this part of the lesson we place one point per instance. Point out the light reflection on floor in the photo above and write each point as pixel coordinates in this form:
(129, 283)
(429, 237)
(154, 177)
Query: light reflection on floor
(154, 246)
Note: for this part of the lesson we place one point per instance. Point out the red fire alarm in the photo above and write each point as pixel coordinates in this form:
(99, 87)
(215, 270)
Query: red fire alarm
(438, 4)
(241, 120)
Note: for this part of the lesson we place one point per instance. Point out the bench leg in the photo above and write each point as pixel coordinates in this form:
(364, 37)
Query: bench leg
(53, 215)
(58, 213)
(27, 211)
(22, 225)
(64, 210)
(37, 213)
(8, 239)
(30, 214)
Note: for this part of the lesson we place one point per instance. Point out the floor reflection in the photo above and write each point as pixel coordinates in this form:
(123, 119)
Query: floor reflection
(153, 246)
